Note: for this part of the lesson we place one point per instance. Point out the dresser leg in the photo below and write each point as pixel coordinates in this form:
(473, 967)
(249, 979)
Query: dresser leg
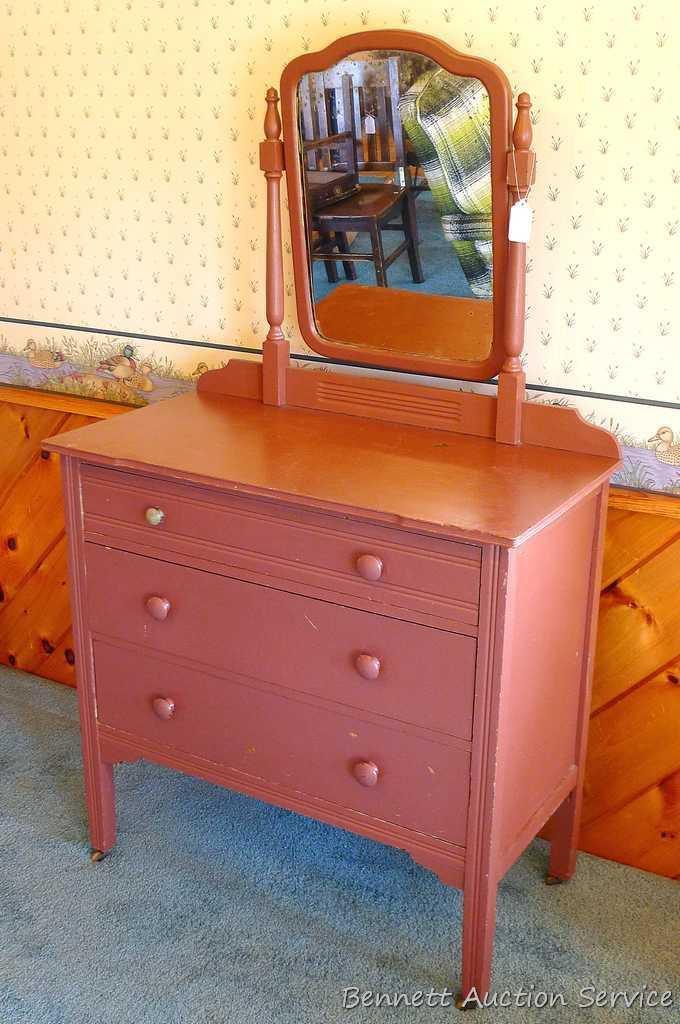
(479, 924)
(564, 837)
(100, 795)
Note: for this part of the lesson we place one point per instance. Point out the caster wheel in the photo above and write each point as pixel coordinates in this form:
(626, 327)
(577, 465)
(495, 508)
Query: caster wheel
(97, 855)
(466, 1004)
(554, 880)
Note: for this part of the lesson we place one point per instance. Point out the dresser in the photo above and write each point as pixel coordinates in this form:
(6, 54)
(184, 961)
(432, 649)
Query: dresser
(347, 596)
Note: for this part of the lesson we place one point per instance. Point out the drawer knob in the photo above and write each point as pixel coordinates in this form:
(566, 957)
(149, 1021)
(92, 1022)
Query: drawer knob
(158, 608)
(370, 567)
(367, 665)
(163, 707)
(154, 516)
(366, 773)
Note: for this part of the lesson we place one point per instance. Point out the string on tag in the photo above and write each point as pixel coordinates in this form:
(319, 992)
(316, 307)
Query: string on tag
(521, 214)
(523, 198)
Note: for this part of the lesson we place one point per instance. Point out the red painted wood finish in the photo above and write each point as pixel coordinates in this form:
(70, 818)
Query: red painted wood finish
(304, 645)
(520, 174)
(421, 782)
(275, 348)
(444, 704)
(421, 574)
(352, 605)
(457, 486)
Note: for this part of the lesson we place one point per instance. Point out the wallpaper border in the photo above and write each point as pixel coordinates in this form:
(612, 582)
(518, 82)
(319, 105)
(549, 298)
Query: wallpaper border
(313, 358)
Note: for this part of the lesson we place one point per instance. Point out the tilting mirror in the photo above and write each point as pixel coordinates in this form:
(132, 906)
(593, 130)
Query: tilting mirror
(395, 158)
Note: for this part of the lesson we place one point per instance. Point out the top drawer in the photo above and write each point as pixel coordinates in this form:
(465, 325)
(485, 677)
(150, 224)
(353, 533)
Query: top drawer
(397, 569)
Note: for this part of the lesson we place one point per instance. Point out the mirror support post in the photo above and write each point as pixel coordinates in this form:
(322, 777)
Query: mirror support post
(275, 351)
(521, 172)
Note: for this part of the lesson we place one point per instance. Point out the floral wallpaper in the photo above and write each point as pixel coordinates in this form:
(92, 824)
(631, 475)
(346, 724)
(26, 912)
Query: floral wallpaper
(132, 201)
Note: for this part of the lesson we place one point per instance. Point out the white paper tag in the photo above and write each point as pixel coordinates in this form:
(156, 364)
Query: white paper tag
(369, 124)
(521, 219)
(401, 176)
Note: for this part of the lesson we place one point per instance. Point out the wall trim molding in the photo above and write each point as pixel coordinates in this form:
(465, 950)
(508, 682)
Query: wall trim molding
(57, 401)
(653, 502)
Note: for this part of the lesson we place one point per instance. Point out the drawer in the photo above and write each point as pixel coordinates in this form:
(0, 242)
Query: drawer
(419, 784)
(404, 671)
(401, 570)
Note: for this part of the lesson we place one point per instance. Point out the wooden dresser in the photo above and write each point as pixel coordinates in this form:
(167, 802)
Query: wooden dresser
(369, 601)
(395, 638)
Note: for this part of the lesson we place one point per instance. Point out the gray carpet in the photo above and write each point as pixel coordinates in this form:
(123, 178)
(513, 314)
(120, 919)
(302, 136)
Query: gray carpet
(215, 908)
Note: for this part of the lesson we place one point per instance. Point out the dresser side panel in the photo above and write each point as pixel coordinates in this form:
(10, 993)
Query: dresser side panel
(549, 584)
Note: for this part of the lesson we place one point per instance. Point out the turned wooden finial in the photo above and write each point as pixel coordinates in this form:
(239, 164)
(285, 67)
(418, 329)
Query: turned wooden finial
(522, 133)
(522, 159)
(272, 120)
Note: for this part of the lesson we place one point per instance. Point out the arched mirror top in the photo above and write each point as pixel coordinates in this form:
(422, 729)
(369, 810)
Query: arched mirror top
(396, 151)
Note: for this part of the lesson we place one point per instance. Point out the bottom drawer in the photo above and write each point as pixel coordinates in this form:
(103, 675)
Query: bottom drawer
(383, 771)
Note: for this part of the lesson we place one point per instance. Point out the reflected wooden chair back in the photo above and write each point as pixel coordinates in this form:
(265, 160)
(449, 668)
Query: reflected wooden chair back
(353, 160)
(360, 98)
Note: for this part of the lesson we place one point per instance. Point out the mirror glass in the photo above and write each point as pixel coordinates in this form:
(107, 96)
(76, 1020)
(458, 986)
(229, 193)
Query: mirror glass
(395, 155)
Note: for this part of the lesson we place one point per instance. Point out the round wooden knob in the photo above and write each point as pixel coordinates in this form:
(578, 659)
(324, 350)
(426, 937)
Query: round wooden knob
(163, 707)
(370, 567)
(154, 516)
(367, 665)
(158, 607)
(366, 773)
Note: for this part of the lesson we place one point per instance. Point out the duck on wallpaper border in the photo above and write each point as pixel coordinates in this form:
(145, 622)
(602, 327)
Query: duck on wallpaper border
(92, 366)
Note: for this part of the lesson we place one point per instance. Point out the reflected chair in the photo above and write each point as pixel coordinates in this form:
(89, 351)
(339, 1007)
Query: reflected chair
(334, 153)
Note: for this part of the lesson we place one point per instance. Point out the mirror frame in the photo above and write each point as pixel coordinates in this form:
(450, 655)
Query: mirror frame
(500, 102)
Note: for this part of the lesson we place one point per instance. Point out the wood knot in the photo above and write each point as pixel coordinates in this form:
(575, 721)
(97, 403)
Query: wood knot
(12, 660)
(12, 543)
(70, 656)
(47, 647)
(617, 595)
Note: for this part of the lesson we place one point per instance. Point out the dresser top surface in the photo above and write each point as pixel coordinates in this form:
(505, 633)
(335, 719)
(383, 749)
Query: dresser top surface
(440, 481)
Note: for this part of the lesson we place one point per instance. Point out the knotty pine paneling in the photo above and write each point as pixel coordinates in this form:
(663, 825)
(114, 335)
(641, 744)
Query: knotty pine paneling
(35, 618)
(631, 807)
(632, 791)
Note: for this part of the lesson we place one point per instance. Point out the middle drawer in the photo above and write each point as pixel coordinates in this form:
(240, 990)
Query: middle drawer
(416, 674)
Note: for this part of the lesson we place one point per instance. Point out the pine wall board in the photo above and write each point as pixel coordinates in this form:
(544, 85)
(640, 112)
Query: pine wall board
(35, 618)
(632, 792)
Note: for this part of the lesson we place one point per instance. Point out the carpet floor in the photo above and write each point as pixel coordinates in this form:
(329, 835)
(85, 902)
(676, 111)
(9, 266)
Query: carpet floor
(217, 909)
